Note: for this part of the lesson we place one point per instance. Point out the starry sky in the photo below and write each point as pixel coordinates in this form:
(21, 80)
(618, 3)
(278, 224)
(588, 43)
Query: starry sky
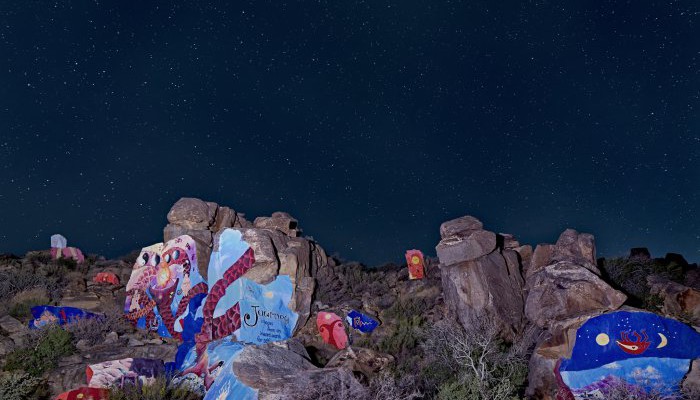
(370, 121)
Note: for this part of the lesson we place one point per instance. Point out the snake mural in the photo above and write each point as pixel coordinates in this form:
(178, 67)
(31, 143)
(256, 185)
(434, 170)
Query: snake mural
(167, 294)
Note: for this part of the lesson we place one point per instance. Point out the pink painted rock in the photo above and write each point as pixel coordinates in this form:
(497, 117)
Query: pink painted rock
(332, 330)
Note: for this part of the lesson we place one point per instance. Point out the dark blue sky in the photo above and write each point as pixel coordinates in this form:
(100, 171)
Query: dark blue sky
(371, 122)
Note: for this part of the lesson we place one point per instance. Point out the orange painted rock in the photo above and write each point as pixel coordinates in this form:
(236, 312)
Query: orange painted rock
(106, 277)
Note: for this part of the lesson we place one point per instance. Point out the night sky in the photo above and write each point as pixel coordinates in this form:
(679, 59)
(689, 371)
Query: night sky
(370, 121)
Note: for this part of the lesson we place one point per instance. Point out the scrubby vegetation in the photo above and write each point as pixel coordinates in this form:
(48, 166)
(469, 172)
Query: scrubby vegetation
(342, 387)
(22, 386)
(95, 330)
(475, 363)
(630, 275)
(42, 351)
(159, 389)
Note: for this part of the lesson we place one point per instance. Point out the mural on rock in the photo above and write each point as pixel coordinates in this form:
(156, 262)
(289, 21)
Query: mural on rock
(211, 372)
(641, 350)
(361, 322)
(85, 393)
(165, 288)
(46, 315)
(213, 319)
(416, 264)
(332, 330)
(124, 371)
(106, 278)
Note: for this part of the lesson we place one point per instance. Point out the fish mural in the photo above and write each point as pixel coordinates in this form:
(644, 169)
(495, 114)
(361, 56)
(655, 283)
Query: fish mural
(332, 330)
(47, 315)
(416, 264)
(361, 322)
(640, 349)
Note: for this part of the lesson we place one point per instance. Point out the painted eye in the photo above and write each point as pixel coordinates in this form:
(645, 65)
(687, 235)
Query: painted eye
(167, 258)
(157, 258)
(144, 259)
(176, 254)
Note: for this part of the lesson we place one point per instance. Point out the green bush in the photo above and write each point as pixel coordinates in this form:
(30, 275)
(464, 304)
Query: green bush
(159, 389)
(23, 309)
(22, 386)
(52, 344)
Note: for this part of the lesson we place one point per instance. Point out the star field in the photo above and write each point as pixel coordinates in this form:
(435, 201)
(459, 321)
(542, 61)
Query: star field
(370, 121)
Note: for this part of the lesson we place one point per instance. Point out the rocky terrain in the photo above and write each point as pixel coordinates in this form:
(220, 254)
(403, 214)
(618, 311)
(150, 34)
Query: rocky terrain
(525, 303)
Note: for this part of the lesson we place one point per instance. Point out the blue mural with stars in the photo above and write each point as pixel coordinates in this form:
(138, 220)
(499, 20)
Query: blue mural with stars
(638, 349)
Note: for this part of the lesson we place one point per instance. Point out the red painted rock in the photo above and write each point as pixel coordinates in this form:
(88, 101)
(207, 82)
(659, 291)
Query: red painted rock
(332, 330)
(85, 393)
(106, 277)
(416, 264)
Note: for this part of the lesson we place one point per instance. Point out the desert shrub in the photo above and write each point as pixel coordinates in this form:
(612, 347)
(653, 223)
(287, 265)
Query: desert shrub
(42, 351)
(387, 387)
(95, 330)
(476, 363)
(159, 389)
(631, 277)
(24, 309)
(342, 386)
(22, 386)
(17, 280)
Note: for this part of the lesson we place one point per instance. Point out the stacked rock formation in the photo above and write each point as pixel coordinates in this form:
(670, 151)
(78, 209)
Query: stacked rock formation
(275, 240)
(564, 290)
(481, 275)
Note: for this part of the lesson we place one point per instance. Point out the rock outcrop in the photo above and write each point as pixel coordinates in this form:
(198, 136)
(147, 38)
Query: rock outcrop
(564, 290)
(478, 276)
(201, 220)
(678, 300)
(563, 281)
(279, 369)
(278, 249)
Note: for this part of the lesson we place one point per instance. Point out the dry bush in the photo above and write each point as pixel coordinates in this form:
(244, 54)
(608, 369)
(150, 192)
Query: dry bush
(475, 363)
(95, 330)
(387, 387)
(341, 386)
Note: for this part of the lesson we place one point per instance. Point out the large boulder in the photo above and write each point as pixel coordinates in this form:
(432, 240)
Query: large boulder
(192, 213)
(572, 246)
(565, 290)
(279, 254)
(278, 249)
(279, 369)
(479, 277)
(460, 226)
(280, 221)
(201, 220)
(555, 344)
(464, 239)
